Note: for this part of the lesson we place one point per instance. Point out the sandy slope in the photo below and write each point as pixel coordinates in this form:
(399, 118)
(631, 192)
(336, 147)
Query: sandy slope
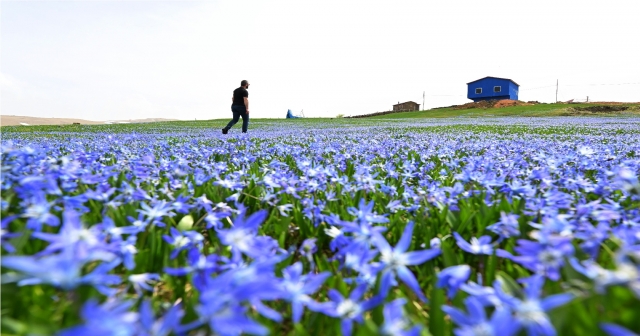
(11, 120)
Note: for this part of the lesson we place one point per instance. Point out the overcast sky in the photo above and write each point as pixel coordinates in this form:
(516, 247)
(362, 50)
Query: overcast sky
(105, 60)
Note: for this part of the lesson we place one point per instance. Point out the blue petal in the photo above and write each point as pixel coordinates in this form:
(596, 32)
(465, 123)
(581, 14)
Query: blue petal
(419, 257)
(22, 264)
(410, 280)
(457, 316)
(503, 254)
(553, 301)
(381, 243)
(463, 244)
(335, 296)
(358, 292)
(385, 283)
(534, 286)
(616, 330)
(256, 219)
(146, 314)
(297, 309)
(475, 309)
(484, 240)
(504, 322)
(373, 302)
(315, 281)
(294, 271)
(347, 327)
(543, 327)
(266, 311)
(405, 240)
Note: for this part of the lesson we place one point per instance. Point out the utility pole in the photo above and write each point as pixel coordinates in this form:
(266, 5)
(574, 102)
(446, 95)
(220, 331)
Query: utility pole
(423, 101)
(556, 90)
(587, 99)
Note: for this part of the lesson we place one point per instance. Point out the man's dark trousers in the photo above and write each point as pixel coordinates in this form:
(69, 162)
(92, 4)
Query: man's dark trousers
(239, 111)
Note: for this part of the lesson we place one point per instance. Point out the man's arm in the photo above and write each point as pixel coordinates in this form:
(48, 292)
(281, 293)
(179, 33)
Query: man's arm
(246, 104)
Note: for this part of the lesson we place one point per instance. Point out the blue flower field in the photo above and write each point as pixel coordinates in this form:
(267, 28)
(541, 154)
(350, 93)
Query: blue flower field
(462, 226)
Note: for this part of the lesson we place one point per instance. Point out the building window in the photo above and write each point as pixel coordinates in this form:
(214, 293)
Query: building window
(497, 88)
(478, 90)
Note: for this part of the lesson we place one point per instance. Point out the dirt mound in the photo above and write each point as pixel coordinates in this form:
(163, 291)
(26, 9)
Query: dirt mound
(492, 103)
(509, 102)
(602, 108)
(607, 103)
(480, 104)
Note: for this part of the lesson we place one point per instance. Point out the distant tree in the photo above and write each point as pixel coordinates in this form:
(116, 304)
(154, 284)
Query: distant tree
(340, 116)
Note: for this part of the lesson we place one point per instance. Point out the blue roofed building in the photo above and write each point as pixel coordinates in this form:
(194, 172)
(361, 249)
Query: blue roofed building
(492, 88)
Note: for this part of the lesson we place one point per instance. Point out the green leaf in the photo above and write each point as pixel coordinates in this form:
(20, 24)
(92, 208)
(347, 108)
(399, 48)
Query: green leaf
(436, 315)
(13, 325)
(449, 257)
(186, 223)
(509, 285)
(490, 273)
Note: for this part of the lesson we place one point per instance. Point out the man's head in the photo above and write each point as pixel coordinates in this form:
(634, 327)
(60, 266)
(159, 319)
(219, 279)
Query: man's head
(245, 84)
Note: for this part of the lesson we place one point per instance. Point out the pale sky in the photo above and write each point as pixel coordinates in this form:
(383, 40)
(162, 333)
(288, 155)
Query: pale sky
(106, 60)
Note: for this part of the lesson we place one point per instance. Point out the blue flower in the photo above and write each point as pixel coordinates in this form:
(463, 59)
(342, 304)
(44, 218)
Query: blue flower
(5, 235)
(154, 214)
(531, 312)
(138, 222)
(629, 180)
(87, 243)
(475, 322)
(142, 281)
(308, 248)
(166, 325)
(214, 219)
(394, 206)
(350, 309)
(453, 277)
(365, 213)
(395, 320)
(480, 245)
(38, 212)
(362, 232)
(182, 241)
(202, 265)
(242, 236)
(111, 318)
(395, 261)
(114, 232)
(223, 298)
(298, 287)
(63, 270)
(507, 227)
(546, 257)
(592, 237)
(181, 204)
(486, 295)
(284, 209)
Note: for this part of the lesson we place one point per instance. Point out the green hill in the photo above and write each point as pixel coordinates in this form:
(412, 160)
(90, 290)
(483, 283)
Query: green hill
(537, 110)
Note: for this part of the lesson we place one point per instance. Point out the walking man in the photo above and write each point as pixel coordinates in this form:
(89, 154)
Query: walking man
(239, 107)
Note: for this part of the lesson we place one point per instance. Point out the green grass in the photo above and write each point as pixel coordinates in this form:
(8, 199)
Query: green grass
(538, 110)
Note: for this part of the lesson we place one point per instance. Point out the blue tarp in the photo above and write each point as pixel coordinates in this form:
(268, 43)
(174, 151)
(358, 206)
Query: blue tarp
(290, 115)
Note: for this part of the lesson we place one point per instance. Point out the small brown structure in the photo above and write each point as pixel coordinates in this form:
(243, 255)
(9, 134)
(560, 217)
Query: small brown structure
(406, 106)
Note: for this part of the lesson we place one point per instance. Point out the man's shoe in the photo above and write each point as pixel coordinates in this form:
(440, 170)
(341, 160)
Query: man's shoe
(225, 131)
